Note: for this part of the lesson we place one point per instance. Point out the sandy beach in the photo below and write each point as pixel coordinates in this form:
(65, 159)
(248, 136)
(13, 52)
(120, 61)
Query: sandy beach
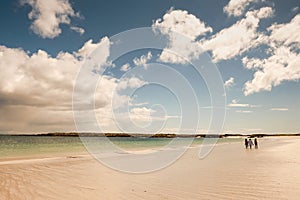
(229, 172)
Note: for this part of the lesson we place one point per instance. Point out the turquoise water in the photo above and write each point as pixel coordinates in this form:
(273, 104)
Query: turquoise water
(14, 146)
(11, 146)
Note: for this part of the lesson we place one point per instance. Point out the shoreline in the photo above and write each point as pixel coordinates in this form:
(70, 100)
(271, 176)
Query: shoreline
(36, 150)
(144, 150)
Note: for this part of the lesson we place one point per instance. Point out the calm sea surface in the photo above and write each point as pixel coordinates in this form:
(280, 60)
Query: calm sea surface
(14, 146)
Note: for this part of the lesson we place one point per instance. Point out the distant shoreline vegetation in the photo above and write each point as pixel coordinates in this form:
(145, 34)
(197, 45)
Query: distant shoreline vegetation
(160, 135)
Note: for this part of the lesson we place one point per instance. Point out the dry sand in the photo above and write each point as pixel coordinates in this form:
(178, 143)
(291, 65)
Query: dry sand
(229, 172)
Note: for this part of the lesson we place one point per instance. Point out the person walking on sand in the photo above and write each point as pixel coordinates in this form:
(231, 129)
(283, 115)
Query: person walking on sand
(255, 143)
(250, 143)
(246, 143)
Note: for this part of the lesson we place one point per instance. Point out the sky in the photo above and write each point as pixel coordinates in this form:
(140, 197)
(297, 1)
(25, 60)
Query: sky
(253, 44)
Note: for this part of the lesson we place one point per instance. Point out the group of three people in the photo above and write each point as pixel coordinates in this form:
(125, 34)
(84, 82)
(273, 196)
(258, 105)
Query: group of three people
(249, 143)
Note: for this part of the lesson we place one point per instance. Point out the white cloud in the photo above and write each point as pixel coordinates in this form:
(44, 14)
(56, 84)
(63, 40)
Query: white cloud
(234, 101)
(78, 29)
(133, 82)
(279, 109)
(239, 105)
(229, 83)
(142, 61)
(237, 7)
(180, 21)
(180, 51)
(283, 63)
(142, 117)
(139, 104)
(286, 34)
(36, 90)
(125, 67)
(144, 114)
(36, 73)
(235, 104)
(48, 15)
(224, 45)
(295, 9)
(89, 47)
(110, 109)
(39, 86)
(182, 30)
(141, 113)
(238, 38)
(244, 111)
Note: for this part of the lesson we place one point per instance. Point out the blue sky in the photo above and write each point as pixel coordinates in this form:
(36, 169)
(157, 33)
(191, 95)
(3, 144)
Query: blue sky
(254, 44)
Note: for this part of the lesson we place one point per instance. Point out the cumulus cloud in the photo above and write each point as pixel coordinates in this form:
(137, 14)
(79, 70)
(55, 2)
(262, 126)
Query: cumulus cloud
(286, 34)
(182, 22)
(180, 51)
(132, 82)
(48, 15)
(142, 119)
(36, 90)
(182, 30)
(142, 61)
(144, 114)
(141, 113)
(229, 83)
(38, 86)
(78, 29)
(283, 62)
(111, 102)
(238, 38)
(237, 7)
(184, 44)
(283, 65)
(36, 74)
(89, 47)
(125, 67)
(234, 101)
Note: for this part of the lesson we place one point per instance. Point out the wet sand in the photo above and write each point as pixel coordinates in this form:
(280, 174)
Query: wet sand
(229, 172)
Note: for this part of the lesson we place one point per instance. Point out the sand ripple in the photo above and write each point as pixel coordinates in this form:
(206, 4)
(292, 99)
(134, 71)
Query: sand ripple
(229, 172)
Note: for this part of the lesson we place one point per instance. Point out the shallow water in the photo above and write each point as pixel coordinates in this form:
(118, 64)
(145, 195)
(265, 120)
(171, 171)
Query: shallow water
(12, 146)
(15, 146)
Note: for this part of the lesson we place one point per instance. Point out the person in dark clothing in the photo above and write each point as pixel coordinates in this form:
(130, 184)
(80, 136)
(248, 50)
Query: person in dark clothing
(246, 143)
(255, 143)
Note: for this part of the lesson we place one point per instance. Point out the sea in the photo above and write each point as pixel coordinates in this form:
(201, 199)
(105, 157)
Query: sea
(23, 146)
